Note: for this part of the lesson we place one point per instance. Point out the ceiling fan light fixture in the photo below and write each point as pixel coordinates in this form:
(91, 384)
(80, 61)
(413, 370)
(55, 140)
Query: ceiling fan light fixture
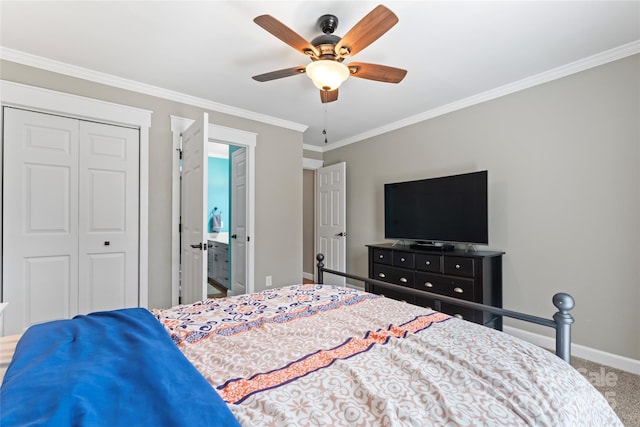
(327, 74)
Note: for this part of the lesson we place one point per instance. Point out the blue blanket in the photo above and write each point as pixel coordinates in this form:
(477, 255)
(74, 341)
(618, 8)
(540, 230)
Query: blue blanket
(114, 368)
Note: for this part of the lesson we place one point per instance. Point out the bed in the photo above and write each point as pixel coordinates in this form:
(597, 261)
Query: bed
(301, 355)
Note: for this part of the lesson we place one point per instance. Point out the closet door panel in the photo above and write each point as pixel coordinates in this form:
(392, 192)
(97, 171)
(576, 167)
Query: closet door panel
(47, 199)
(47, 294)
(106, 274)
(108, 217)
(40, 218)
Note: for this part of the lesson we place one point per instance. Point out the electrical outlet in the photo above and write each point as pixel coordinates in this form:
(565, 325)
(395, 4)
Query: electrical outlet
(268, 281)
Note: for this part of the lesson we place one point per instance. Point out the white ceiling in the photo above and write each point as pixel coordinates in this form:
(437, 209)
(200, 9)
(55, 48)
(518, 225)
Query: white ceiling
(456, 52)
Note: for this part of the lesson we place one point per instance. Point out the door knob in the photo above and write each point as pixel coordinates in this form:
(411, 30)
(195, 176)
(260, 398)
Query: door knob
(198, 246)
(234, 236)
(341, 234)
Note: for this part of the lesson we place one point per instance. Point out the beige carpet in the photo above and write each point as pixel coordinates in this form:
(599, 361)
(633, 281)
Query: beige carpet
(620, 388)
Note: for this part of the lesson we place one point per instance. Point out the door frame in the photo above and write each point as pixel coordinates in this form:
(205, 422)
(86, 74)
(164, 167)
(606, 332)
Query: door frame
(79, 107)
(222, 135)
(329, 257)
(314, 165)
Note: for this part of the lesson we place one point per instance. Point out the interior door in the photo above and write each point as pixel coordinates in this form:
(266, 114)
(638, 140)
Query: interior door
(70, 217)
(193, 190)
(331, 214)
(39, 218)
(239, 233)
(108, 217)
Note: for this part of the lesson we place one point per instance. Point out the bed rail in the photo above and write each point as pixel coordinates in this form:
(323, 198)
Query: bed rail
(561, 322)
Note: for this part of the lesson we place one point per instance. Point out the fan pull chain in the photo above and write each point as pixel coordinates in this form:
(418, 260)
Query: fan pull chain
(324, 131)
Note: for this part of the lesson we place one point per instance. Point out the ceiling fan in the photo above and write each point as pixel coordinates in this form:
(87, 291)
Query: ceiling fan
(328, 51)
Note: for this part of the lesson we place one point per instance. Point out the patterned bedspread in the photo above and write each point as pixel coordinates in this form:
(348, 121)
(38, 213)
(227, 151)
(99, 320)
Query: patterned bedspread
(331, 356)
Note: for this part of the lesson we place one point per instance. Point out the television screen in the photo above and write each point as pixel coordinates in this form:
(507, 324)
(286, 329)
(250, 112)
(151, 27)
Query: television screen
(444, 209)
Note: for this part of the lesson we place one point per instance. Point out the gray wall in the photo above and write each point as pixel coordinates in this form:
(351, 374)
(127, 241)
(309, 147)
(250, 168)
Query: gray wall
(278, 192)
(564, 193)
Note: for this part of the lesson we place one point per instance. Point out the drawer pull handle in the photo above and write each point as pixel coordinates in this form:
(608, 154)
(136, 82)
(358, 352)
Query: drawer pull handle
(458, 290)
(403, 280)
(428, 262)
(459, 316)
(381, 275)
(428, 285)
(402, 260)
(381, 256)
(457, 266)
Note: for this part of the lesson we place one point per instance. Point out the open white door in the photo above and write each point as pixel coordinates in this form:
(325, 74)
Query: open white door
(331, 214)
(224, 135)
(239, 234)
(193, 243)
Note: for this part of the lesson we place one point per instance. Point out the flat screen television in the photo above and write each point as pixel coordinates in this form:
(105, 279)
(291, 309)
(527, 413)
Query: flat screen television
(445, 209)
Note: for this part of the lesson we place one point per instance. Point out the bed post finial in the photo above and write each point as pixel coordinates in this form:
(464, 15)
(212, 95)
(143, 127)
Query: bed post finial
(320, 258)
(563, 302)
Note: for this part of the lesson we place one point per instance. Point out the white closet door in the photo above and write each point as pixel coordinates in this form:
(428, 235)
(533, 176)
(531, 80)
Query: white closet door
(40, 218)
(108, 243)
(70, 218)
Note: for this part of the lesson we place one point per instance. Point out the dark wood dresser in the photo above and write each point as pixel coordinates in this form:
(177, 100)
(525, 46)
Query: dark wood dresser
(467, 275)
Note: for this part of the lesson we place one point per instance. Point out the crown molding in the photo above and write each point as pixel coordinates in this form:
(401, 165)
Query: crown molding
(315, 148)
(132, 85)
(596, 60)
(312, 163)
(602, 58)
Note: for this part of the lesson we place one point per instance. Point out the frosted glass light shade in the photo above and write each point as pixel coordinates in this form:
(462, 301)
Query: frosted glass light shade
(327, 74)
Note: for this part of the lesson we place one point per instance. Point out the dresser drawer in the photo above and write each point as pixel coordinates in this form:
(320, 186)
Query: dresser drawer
(426, 302)
(445, 285)
(403, 259)
(394, 275)
(429, 262)
(459, 312)
(450, 309)
(383, 256)
(459, 266)
(393, 294)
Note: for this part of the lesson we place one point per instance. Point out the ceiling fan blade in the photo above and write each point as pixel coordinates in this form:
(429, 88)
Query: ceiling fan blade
(286, 34)
(366, 31)
(273, 75)
(328, 95)
(381, 73)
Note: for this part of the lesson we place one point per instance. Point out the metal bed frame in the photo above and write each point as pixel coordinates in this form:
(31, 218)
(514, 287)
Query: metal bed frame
(561, 322)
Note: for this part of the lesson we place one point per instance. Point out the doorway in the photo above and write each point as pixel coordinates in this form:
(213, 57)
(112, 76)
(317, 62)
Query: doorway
(310, 166)
(219, 219)
(244, 142)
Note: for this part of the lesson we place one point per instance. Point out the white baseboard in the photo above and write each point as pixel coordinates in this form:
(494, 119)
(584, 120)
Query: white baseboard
(578, 350)
(308, 276)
